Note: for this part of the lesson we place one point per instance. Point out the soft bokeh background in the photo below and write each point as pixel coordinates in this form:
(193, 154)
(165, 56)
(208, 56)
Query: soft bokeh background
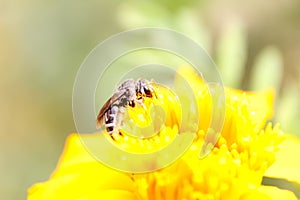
(42, 44)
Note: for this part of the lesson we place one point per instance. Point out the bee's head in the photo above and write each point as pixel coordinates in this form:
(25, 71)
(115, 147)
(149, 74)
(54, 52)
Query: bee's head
(144, 89)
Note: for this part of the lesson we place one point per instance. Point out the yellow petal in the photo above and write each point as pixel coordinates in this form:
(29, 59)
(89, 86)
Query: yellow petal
(79, 175)
(246, 112)
(74, 153)
(287, 164)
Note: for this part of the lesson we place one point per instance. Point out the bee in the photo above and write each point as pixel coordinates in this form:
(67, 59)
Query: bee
(129, 93)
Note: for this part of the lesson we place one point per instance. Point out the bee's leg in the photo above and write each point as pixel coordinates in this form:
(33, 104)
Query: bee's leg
(112, 137)
(154, 93)
(143, 105)
(120, 117)
(132, 176)
(120, 111)
(119, 120)
(110, 131)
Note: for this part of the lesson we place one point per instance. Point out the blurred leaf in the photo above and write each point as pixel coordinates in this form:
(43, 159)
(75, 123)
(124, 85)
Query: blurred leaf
(176, 5)
(267, 70)
(143, 14)
(288, 109)
(231, 54)
(186, 22)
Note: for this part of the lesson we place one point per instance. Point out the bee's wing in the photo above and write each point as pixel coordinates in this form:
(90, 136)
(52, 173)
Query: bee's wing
(102, 111)
(107, 106)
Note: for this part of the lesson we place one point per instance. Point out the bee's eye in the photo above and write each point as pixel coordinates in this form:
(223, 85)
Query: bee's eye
(148, 92)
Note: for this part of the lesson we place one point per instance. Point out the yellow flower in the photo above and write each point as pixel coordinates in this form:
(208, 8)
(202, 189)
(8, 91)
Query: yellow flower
(245, 152)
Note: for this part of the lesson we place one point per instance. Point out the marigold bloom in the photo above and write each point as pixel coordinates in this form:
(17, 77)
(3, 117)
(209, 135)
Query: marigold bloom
(233, 170)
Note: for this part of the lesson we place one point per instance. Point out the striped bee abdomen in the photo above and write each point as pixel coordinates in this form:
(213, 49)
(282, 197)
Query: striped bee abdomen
(111, 118)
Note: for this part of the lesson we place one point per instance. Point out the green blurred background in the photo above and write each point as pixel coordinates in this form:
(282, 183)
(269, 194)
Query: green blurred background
(42, 44)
